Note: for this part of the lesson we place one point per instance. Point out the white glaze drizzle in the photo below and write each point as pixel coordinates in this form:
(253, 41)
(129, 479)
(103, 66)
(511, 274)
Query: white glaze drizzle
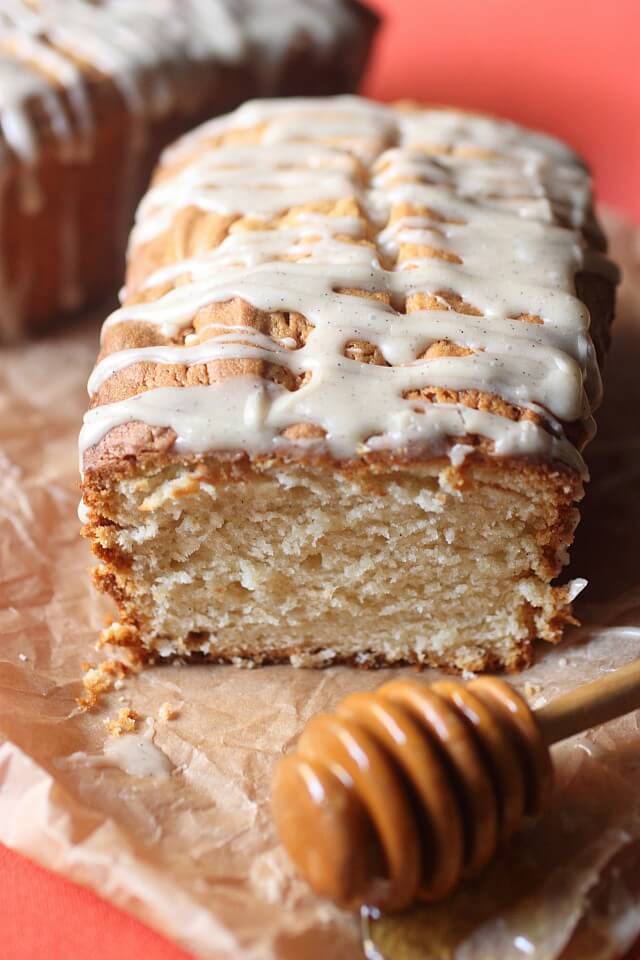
(506, 364)
(134, 753)
(489, 197)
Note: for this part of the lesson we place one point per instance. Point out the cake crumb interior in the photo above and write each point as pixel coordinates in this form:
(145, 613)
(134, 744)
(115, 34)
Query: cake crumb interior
(428, 564)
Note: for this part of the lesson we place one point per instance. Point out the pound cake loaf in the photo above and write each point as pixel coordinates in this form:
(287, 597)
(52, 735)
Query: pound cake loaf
(90, 92)
(339, 414)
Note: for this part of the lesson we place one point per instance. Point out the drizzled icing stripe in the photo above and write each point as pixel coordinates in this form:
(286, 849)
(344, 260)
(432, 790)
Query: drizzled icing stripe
(523, 368)
(246, 414)
(459, 203)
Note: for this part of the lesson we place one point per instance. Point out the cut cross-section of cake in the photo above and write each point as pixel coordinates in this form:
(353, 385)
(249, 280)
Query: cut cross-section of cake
(339, 414)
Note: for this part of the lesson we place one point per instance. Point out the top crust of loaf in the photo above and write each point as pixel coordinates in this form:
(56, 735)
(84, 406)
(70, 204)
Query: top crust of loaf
(383, 169)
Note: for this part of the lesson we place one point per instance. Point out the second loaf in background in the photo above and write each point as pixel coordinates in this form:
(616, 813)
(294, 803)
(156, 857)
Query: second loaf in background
(339, 415)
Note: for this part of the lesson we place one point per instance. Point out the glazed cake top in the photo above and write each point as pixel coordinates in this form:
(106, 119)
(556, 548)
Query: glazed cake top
(346, 278)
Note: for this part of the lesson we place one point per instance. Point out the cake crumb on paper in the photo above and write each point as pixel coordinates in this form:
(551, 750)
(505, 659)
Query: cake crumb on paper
(168, 711)
(125, 721)
(100, 680)
(118, 634)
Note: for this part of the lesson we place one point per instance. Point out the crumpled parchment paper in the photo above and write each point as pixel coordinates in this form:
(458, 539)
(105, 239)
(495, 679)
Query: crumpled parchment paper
(171, 822)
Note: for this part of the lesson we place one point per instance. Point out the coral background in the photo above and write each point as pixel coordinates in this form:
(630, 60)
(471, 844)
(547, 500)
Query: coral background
(570, 67)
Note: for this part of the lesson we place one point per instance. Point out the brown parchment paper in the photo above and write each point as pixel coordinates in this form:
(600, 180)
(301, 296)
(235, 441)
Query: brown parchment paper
(189, 847)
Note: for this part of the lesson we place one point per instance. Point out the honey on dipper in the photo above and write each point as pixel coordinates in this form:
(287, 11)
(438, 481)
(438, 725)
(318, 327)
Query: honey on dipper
(402, 793)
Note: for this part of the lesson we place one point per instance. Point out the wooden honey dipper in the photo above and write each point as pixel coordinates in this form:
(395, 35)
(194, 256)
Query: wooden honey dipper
(404, 792)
